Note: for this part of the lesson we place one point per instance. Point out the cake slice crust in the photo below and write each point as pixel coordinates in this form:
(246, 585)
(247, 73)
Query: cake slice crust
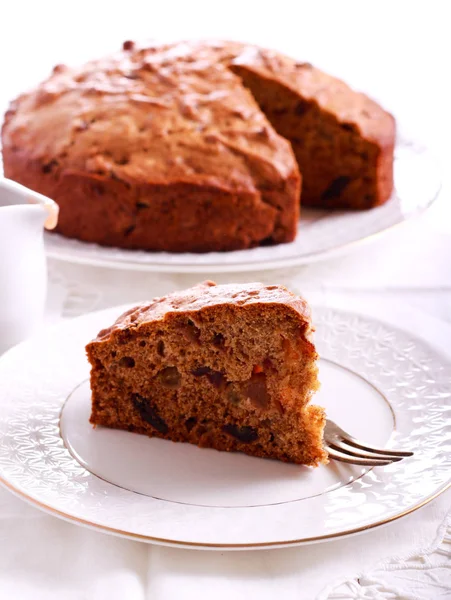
(228, 367)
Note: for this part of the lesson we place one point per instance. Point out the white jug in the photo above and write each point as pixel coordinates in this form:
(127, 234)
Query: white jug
(23, 274)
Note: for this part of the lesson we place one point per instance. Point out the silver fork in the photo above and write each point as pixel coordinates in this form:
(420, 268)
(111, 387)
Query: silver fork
(343, 447)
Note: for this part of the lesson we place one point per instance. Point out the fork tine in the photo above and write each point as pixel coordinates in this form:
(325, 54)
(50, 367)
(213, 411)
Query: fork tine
(360, 454)
(334, 433)
(346, 458)
(384, 451)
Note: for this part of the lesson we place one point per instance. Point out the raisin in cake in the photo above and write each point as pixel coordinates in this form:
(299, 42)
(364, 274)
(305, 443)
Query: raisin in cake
(230, 367)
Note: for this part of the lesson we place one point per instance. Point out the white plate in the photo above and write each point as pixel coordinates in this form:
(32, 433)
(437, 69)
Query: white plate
(321, 234)
(379, 383)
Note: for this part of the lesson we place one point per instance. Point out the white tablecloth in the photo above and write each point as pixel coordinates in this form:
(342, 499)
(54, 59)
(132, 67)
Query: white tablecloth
(397, 51)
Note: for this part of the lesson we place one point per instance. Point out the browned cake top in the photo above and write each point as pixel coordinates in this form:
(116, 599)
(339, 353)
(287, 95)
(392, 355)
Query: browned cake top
(169, 113)
(207, 295)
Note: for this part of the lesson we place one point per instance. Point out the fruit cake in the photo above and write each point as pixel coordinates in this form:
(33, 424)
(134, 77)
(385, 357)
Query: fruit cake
(197, 146)
(230, 367)
(155, 149)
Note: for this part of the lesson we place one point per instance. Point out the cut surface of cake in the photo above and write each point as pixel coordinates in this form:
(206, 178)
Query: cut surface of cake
(230, 367)
(342, 139)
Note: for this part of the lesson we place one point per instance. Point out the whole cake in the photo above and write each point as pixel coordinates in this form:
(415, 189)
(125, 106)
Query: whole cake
(230, 367)
(189, 146)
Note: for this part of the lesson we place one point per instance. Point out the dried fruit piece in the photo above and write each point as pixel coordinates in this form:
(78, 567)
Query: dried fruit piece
(216, 378)
(335, 188)
(149, 413)
(301, 108)
(242, 434)
(128, 45)
(257, 391)
(170, 377)
(189, 423)
(291, 352)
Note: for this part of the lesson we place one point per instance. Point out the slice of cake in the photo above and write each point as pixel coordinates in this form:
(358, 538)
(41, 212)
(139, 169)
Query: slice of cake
(230, 367)
(343, 140)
